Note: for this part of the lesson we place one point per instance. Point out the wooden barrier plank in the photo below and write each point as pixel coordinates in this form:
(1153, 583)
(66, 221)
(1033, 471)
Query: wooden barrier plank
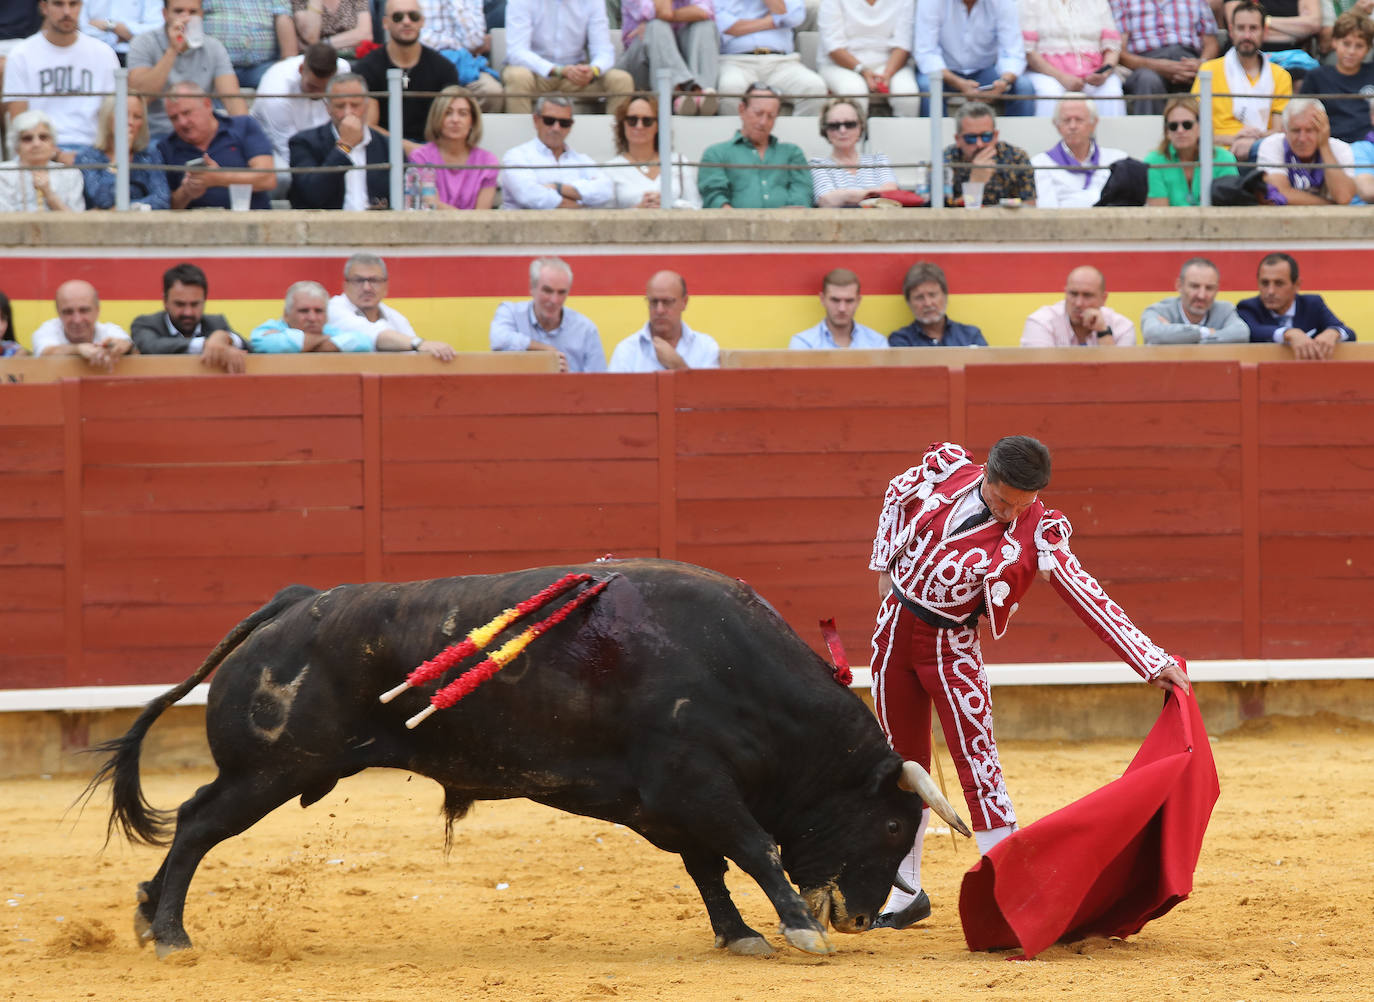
(32, 587)
(600, 528)
(764, 430)
(423, 566)
(165, 666)
(31, 541)
(1327, 422)
(532, 437)
(238, 487)
(1303, 640)
(24, 406)
(1161, 559)
(1335, 557)
(1300, 599)
(1073, 642)
(1325, 512)
(183, 399)
(1141, 383)
(758, 520)
(30, 633)
(1150, 514)
(240, 440)
(857, 474)
(226, 579)
(492, 395)
(34, 448)
(1102, 424)
(128, 626)
(1144, 468)
(113, 535)
(30, 495)
(32, 671)
(1316, 466)
(1326, 383)
(560, 481)
(823, 389)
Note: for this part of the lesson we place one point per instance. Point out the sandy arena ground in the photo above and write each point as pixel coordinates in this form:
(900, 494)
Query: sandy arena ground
(353, 899)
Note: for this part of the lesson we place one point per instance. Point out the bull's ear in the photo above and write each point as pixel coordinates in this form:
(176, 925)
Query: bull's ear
(885, 775)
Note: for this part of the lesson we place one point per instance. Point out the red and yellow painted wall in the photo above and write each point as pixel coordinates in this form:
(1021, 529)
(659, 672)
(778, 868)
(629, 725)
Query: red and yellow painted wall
(755, 297)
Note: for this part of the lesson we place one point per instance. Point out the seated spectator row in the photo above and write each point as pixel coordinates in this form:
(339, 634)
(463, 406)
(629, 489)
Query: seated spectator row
(358, 319)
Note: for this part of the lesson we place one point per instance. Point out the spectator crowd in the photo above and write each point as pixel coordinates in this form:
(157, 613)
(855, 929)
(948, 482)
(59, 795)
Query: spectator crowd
(358, 319)
(240, 103)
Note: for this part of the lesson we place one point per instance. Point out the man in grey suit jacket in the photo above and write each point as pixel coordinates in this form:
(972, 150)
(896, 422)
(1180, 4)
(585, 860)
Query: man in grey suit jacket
(184, 328)
(1194, 316)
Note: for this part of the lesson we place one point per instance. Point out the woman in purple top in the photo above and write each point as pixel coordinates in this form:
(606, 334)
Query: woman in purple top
(454, 129)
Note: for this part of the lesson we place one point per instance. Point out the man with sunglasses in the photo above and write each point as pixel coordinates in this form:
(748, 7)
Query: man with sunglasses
(547, 173)
(978, 162)
(560, 47)
(723, 186)
(424, 72)
(956, 542)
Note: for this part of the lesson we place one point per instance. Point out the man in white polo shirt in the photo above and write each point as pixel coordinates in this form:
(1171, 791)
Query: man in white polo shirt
(665, 342)
(70, 70)
(360, 307)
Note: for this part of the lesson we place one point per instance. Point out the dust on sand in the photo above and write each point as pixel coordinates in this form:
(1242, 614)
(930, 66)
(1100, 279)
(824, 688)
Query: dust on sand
(353, 899)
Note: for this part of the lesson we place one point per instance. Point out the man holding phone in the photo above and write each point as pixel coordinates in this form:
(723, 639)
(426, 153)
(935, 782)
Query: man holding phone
(206, 141)
(975, 46)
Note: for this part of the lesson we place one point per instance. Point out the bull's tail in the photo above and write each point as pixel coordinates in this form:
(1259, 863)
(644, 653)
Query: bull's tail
(130, 810)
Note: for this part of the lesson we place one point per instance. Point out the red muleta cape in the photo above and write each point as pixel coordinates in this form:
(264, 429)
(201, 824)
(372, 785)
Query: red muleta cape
(1108, 863)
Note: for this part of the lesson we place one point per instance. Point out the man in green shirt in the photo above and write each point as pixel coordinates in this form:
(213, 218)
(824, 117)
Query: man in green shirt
(723, 187)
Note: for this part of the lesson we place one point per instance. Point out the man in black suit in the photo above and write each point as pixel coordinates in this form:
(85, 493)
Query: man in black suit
(1282, 315)
(184, 328)
(344, 141)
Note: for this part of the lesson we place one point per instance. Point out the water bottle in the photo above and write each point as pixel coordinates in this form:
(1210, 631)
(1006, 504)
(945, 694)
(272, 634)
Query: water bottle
(923, 182)
(428, 191)
(949, 185)
(412, 189)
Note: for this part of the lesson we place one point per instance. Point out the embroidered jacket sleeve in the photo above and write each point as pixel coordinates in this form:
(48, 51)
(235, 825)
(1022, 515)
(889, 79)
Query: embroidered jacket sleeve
(1082, 593)
(916, 484)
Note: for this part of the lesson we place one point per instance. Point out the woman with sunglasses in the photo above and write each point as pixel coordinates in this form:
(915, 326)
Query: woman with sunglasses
(147, 188)
(340, 23)
(44, 184)
(635, 171)
(453, 130)
(847, 176)
(1175, 177)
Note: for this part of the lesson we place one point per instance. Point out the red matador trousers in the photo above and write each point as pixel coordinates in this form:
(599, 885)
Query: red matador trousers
(914, 664)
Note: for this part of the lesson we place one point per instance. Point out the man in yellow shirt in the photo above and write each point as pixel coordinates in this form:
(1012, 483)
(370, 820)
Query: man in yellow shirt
(1257, 88)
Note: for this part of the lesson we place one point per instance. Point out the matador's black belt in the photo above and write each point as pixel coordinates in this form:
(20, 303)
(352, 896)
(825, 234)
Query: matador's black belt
(931, 618)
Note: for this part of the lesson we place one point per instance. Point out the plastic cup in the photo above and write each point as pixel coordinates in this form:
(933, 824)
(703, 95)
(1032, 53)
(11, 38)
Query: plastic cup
(240, 197)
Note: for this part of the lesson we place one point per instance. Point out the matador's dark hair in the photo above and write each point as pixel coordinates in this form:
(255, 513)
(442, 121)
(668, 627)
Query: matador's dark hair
(1020, 462)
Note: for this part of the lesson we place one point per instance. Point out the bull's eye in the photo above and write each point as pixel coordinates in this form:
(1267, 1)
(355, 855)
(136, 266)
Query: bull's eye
(894, 827)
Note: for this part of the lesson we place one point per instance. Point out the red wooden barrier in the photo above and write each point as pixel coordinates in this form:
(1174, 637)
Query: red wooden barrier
(1222, 503)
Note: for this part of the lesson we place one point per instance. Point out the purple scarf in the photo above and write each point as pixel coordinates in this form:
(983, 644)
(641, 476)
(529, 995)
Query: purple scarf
(1299, 175)
(1060, 154)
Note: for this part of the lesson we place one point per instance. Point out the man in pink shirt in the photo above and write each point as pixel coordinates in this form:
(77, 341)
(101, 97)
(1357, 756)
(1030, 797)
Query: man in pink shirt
(1081, 319)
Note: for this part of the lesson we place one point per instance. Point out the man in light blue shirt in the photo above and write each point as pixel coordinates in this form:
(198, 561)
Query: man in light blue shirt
(560, 45)
(976, 47)
(546, 324)
(665, 342)
(841, 298)
(757, 46)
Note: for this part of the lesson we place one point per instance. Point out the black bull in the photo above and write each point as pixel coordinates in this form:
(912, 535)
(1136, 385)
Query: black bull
(676, 703)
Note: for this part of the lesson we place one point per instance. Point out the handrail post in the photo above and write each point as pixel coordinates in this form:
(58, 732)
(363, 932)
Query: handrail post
(121, 139)
(1204, 139)
(665, 138)
(395, 151)
(937, 148)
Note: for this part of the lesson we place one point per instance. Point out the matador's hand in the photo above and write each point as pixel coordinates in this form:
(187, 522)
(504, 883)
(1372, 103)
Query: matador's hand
(1171, 678)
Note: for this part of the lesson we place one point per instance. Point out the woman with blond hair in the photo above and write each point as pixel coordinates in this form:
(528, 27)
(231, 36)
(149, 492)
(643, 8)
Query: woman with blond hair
(846, 177)
(453, 130)
(147, 188)
(1175, 177)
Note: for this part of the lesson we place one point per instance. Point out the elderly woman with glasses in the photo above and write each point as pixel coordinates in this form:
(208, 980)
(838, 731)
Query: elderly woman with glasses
(846, 177)
(1175, 175)
(147, 188)
(453, 130)
(635, 171)
(42, 183)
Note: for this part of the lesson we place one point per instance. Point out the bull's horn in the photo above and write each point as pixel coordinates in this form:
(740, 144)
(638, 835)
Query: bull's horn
(900, 882)
(917, 780)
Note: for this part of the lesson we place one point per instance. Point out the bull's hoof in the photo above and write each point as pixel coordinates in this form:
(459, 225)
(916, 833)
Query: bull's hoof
(143, 929)
(165, 950)
(808, 940)
(746, 946)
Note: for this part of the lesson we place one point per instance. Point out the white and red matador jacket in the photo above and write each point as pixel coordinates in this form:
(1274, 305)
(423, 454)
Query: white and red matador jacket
(956, 576)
